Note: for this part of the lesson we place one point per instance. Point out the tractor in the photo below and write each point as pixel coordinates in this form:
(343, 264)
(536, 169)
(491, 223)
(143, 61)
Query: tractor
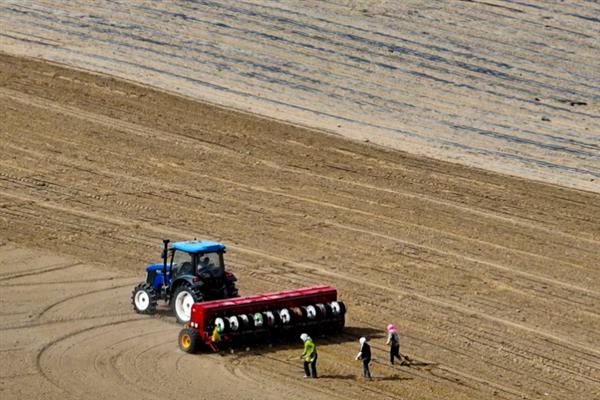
(191, 272)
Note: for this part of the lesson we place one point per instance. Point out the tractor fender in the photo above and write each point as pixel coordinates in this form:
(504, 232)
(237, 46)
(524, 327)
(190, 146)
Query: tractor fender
(184, 279)
(230, 277)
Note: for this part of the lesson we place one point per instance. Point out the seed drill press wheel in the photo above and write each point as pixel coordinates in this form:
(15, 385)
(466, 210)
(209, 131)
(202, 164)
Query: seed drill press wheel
(189, 340)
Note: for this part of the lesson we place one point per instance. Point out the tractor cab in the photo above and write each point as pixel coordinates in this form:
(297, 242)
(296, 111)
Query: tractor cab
(191, 272)
(200, 259)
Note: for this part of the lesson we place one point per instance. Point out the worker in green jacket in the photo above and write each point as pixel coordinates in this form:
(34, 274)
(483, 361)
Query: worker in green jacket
(309, 356)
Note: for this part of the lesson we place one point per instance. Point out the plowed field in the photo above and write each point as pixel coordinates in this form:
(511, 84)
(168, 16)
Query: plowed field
(510, 86)
(492, 280)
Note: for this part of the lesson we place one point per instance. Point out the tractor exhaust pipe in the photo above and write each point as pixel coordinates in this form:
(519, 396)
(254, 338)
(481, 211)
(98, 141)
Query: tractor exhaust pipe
(164, 257)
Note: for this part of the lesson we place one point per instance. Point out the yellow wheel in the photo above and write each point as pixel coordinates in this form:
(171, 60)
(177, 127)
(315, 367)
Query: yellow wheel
(189, 339)
(186, 341)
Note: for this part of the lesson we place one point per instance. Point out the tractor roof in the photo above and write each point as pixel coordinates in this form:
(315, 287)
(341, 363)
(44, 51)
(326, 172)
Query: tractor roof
(198, 246)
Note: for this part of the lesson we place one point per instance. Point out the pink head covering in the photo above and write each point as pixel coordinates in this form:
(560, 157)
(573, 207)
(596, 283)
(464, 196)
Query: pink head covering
(391, 328)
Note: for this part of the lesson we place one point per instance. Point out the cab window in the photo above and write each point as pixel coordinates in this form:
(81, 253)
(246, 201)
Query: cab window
(182, 261)
(210, 262)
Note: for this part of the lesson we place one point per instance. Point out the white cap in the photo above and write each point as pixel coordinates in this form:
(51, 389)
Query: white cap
(362, 340)
(304, 337)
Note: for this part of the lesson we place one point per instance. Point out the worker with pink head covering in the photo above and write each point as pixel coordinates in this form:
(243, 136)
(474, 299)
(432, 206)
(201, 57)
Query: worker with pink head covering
(394, 342)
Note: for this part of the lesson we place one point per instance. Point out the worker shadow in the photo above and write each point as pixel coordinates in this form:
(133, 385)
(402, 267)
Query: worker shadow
(409, 363)
(355, 377)
(418, 364)
(394, 377)
(339, 376)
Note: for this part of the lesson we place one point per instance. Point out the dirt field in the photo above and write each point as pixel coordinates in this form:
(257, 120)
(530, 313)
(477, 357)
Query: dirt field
(491, 280)
(510, 86)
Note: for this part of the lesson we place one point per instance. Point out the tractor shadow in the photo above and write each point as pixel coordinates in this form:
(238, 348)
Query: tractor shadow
(276, 344)
(165, 312)
(356, 332)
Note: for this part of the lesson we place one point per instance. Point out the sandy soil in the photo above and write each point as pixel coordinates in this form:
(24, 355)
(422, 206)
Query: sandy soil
(511, 86)
(492, 280)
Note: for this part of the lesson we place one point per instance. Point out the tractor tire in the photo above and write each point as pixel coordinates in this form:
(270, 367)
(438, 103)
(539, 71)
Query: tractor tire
(183, 299)
(144, 299)
(232, 291)
(189, 340)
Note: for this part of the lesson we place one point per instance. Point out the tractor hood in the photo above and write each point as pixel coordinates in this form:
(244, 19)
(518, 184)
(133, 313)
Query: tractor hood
(155, 267)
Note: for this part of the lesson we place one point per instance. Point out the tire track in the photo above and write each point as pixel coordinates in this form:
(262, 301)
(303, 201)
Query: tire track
(326, 272)
(143, 132)
(77, 296)
(318, 203)
(47, 347)
(37, 271)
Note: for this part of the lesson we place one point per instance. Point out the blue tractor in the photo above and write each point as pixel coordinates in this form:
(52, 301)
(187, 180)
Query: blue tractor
(191, 272)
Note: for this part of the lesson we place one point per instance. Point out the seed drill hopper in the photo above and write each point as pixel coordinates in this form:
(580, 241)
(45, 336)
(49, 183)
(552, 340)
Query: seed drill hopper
(313, 310)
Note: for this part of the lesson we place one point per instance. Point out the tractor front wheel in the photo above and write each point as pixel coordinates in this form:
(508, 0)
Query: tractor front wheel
(189, 340)
(183, 299)
(144, 299)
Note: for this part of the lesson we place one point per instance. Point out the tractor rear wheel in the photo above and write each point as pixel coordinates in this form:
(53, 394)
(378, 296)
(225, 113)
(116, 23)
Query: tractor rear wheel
(144, 299)
(189, 340)
(232, 291)
(183, 299)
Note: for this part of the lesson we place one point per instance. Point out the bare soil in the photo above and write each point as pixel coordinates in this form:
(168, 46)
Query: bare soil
(492, 280)
(504, 85)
